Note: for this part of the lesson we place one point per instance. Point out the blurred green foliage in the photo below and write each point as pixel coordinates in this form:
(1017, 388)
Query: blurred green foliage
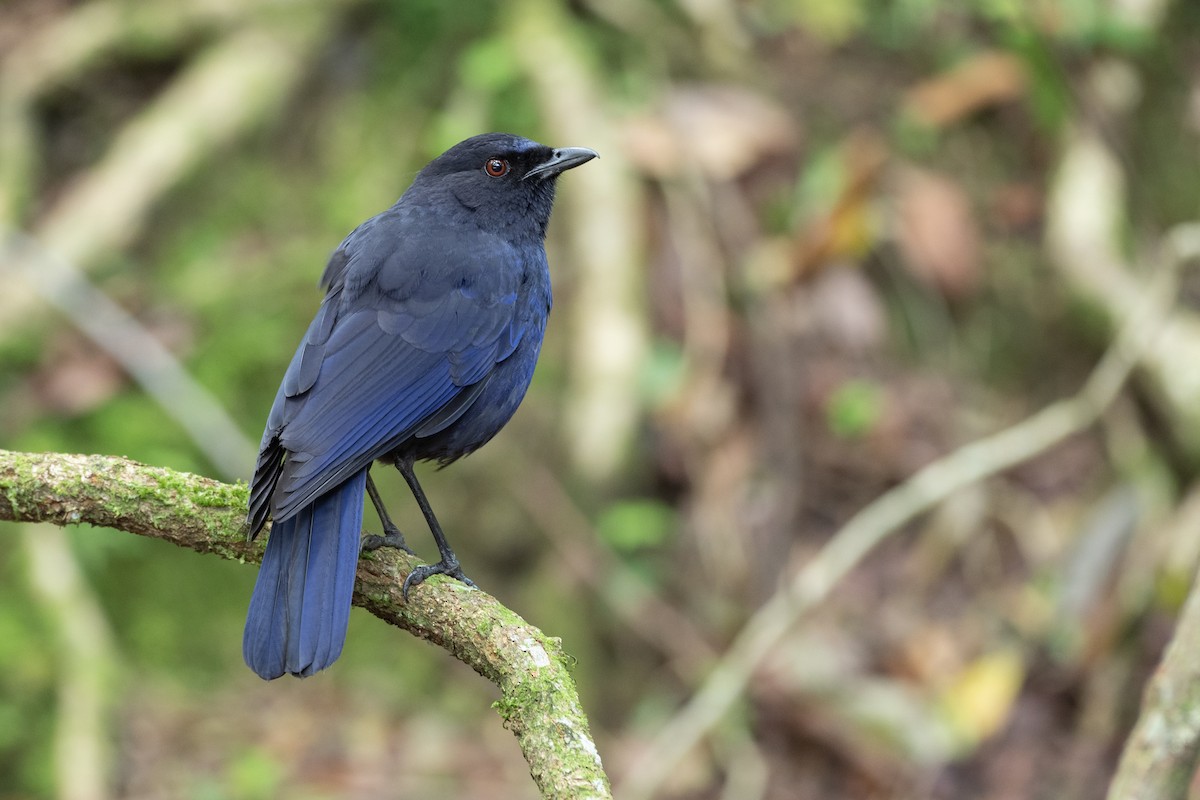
(855, 408)
(636, 525)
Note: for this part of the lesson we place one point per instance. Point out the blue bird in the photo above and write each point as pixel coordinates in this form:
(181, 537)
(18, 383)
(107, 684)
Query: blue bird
(422, 349)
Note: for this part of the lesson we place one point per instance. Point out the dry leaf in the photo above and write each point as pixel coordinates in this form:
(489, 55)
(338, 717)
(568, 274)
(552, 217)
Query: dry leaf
(978, 702)
(848, 309)
(937, 233)
(720, 131)
(984, 80)
(848, 229)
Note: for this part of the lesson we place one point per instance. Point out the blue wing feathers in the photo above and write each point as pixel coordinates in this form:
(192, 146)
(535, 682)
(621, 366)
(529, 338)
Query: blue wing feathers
(355, 388)
(507, 340)
(452, 411)
(347, 443)
(470, 366)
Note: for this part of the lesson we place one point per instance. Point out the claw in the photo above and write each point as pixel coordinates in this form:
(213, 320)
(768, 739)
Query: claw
(392, 538)
(419, 574)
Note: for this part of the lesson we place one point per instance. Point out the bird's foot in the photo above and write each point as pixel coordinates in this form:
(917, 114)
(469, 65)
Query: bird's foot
(391, 538)
(446, 567)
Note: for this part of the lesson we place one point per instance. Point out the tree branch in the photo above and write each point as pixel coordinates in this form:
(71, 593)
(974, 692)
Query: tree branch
(1162, 752)
(538, 702)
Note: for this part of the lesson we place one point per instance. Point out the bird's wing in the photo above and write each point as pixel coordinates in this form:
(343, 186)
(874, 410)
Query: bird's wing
(394, 351)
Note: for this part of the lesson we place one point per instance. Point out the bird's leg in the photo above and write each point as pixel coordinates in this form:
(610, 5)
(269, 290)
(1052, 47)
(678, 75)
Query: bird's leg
(449, 563)
(392, 537)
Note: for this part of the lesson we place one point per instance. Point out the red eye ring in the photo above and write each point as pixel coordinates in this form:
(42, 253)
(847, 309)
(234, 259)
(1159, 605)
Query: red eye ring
(496, 167)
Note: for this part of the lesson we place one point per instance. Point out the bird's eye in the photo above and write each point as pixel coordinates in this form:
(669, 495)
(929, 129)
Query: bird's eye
(496, 167)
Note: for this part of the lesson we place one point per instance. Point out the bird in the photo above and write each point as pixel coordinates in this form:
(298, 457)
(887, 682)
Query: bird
(422, 349)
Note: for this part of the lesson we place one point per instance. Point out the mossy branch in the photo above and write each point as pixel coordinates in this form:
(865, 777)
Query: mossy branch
(538, 702)
(1163, 750)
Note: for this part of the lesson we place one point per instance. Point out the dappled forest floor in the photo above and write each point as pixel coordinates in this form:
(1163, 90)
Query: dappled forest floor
(826, 246)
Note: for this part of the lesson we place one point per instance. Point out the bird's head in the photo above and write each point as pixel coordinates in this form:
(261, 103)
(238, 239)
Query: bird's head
(503, 181)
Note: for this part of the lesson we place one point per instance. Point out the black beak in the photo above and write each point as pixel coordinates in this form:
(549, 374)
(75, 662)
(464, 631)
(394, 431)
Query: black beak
(561, 160)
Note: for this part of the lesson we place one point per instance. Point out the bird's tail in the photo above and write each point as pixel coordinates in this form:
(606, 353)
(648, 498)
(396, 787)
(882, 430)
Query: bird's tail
(301, 603)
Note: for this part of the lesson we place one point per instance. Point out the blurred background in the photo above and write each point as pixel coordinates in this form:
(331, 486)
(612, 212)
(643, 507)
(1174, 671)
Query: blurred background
(826, 243)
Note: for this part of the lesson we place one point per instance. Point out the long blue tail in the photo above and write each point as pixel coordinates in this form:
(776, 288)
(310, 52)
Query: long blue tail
(301, 603)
